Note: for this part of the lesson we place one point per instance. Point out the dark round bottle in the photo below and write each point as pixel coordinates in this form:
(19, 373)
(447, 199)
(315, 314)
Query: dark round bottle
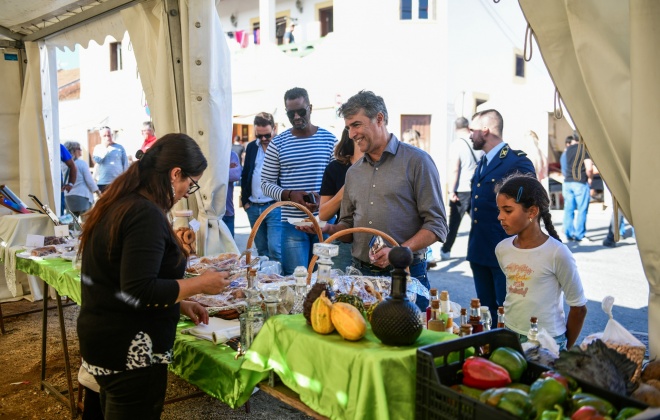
(396, 321)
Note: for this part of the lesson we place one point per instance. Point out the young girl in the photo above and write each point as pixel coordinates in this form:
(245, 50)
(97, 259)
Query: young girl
(537, 267)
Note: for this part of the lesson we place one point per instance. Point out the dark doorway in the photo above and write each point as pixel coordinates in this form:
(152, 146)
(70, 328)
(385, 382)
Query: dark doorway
(325, 16)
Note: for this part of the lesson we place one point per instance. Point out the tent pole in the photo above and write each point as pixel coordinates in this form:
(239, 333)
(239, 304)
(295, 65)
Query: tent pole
(176, 49)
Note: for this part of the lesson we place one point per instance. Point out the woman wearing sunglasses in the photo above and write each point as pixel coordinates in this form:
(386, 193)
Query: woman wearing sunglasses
(132, 279)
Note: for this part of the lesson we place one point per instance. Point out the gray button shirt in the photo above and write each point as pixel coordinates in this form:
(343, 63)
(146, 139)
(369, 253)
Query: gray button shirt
(398, 195)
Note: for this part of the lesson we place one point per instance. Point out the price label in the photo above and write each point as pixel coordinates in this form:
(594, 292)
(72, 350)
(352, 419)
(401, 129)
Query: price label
(62, 231)
(194, 225)
(34, 240)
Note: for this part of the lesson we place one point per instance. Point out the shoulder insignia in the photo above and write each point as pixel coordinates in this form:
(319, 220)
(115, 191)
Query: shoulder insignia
(504, 152)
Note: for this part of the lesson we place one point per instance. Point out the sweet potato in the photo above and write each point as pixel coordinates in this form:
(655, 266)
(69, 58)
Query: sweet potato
(651, 371)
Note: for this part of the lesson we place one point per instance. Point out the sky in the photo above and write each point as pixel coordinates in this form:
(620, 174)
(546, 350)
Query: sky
(68, 59)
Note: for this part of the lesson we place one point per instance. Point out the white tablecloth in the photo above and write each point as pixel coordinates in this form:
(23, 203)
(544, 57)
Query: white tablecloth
(13, 233)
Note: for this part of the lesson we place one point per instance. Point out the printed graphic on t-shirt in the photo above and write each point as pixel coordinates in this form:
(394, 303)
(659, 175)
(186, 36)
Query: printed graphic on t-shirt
(518, 274)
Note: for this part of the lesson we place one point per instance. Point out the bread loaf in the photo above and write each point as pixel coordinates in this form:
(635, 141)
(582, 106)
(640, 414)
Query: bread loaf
(43, 251)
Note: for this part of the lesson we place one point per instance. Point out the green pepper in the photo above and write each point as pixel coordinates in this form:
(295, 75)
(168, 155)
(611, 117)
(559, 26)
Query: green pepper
(627, 413)
(520, 386)
(469, 391)
(556, 414)
(567, 381)
(546, 393)
(584, 399)
(512, 400)
(510, 360)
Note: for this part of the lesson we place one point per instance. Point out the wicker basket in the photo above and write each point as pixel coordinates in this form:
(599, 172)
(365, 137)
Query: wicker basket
(345, 232)
(255, 228)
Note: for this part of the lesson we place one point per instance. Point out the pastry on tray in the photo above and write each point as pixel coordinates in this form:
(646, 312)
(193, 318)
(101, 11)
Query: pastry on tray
(43, 251)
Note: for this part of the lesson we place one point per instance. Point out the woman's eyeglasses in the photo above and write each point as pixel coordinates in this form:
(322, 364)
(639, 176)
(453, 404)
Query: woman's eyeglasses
(302, 112)
(194, 187)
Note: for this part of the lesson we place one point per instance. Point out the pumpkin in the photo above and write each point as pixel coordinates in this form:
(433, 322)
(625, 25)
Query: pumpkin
(370, 310)
(348, 321)
(320, 316)
(351, 300)
(311, 297)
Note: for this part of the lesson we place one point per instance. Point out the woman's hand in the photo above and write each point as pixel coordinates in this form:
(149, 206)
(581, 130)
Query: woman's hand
(196, 312)
(214, 282)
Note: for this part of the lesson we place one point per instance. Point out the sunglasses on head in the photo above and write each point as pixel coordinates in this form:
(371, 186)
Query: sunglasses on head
(264, 136)
(301, 112)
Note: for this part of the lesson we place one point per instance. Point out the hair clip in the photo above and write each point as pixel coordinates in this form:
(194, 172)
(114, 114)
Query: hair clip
(520, 190)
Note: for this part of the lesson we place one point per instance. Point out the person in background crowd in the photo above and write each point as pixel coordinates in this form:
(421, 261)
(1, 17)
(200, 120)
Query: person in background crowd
(536, 155)
(463, 162)
(80, 197)
(69, 176)
(575, 190)
(148, 136)
(234, 175)
(238, 148)
(394, 188)
(268, 239)
(110, 158)
(538, 268)
(562, 158)
(411, 136)
(293, 171)
(498, 162)
(332, 192)
(133, 289)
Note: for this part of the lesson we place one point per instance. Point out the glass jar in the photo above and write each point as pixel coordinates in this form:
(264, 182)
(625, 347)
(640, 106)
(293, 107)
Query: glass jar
(183, 230)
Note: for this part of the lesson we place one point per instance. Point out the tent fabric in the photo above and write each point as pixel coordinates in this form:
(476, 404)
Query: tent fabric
(207, 90)
(601, 55)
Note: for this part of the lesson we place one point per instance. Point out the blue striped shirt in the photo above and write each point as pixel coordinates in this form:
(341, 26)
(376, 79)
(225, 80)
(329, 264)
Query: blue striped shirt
(296, 163)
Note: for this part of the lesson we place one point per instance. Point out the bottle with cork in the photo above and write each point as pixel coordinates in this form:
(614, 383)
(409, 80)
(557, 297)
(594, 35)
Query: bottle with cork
(434, 296)
(475, 316)
(532, 334)
(500, 317)
(435, 323)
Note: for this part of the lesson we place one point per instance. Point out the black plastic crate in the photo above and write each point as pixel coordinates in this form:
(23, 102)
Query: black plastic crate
(436, 400)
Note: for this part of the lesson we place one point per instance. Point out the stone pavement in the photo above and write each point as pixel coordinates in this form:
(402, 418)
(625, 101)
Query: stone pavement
(604, 271)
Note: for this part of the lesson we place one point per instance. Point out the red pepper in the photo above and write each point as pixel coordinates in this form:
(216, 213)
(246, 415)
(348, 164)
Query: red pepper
(481, 373)
(587, 413)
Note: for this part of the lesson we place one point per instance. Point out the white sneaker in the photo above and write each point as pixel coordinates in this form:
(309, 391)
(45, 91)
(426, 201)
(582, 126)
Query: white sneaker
(444, 256)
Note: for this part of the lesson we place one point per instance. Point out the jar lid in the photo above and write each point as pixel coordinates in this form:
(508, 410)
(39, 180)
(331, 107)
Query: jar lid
(183, 213)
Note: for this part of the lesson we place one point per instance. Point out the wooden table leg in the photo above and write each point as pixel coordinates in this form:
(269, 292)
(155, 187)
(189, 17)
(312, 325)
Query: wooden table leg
(2, 322)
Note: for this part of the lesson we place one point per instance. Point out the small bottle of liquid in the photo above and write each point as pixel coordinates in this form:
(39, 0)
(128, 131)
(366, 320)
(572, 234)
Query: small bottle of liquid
(486, 320)
(463, 318)
(435, 323)
(532, 334)
(475, 316)
(444, 302)
(500, 317)
(466, 329)
(434, 296)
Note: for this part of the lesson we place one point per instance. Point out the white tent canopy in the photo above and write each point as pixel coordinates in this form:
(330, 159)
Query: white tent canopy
(184, 66)
(602, 56)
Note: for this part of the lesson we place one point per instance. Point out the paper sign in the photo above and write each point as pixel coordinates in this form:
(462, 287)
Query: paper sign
(194, 225)
(34, 240)
(62, 231)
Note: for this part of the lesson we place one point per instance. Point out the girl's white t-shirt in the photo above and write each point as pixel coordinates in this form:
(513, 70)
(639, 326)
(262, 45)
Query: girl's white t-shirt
(535, 279)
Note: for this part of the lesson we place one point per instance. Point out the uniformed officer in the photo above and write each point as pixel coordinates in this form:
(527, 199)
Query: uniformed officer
(498, 162)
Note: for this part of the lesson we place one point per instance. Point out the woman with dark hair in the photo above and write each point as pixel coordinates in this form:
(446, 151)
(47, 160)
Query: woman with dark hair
(132, 286)
(332, 191)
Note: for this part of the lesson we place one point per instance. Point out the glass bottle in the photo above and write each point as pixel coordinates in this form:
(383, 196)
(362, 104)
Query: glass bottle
(486, 319)
(300, 274)
(475, 316)
(325, 252)
(500, 317)
(429, 309)
(466, 329)
(252, 319)
(271, 294)
(463, 318)
(435, 323)
(181, 224)
(444, 302)
(532, 334)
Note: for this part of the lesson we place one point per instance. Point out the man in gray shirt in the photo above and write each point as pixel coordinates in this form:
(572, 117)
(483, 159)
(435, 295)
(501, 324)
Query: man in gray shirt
(463, 162)
(394, 188)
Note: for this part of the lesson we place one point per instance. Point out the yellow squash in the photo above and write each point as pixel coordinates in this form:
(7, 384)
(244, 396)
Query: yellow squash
(320, 316)
(348, 321)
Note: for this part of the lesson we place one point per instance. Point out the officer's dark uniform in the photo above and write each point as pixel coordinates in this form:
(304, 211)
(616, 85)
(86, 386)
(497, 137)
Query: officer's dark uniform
(486, 232)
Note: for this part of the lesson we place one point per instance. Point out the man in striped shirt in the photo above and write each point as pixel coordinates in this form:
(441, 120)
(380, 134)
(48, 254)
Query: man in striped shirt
(293, 168)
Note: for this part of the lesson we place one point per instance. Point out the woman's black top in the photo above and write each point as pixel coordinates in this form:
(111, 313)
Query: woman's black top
(333, 179)
(129, 312)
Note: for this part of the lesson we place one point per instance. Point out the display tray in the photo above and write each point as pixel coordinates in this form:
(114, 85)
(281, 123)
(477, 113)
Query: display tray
(436, 400)
(299, 221)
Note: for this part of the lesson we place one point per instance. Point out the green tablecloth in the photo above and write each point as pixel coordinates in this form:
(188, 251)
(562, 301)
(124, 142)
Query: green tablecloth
(337, 378)
(57, 272)
(212, 368)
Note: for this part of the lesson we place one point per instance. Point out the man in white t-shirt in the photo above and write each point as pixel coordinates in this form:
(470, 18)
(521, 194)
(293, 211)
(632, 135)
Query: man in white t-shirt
(463, 162)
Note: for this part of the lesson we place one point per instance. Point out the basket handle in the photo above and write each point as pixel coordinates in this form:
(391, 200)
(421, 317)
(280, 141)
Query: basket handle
(344, 232)
(253, 234)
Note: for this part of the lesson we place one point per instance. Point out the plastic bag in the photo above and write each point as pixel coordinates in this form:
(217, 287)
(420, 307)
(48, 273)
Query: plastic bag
(617, 337)
(546, 341)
